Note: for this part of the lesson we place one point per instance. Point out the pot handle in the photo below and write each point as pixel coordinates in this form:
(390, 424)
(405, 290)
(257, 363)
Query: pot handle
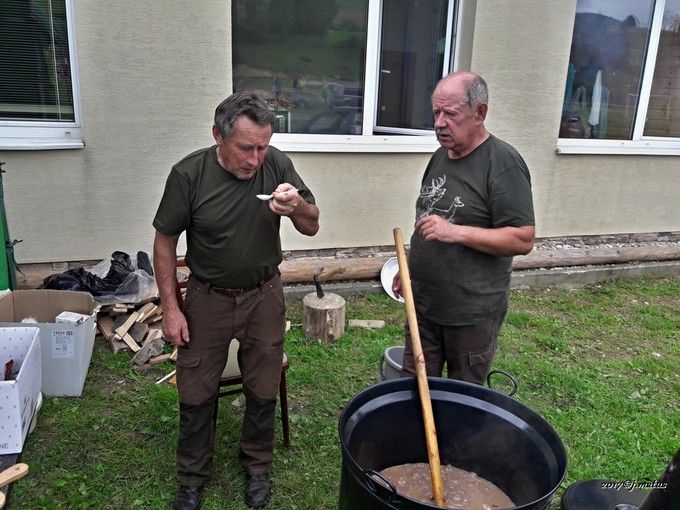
(512, 380)
(383, 484)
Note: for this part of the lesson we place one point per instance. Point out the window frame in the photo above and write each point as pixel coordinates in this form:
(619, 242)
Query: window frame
(391, 140)
(48, 135)
(640, 144)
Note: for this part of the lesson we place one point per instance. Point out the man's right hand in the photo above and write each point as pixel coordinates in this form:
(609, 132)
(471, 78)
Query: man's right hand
(175, 329)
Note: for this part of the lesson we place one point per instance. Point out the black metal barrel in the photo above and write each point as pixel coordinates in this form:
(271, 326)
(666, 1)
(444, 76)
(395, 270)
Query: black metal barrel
(478, 429)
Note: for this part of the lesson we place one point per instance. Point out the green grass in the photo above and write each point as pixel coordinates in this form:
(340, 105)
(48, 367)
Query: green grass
(600, 364)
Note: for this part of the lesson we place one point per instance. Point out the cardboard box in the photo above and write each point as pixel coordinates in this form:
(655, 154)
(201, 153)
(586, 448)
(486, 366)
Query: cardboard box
(66, 346)
(19, 396)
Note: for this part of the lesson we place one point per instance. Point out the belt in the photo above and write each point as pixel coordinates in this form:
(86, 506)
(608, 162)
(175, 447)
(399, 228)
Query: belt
(237, 292)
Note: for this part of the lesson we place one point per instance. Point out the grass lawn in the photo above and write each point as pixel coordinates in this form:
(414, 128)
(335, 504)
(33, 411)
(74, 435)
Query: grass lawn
(600, 364)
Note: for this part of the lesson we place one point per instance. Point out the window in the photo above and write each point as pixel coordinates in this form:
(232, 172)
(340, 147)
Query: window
(623, 84)
(38, 89)
(345, 74)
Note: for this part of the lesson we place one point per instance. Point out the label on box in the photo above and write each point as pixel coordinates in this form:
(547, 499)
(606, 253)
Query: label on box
(63, 344)
(72, 318)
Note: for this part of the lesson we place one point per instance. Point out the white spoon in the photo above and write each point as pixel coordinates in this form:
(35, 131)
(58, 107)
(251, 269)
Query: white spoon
(268, 197)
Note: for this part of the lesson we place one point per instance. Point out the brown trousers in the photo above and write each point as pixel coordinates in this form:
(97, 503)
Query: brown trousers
(468, 351)
(257, 320)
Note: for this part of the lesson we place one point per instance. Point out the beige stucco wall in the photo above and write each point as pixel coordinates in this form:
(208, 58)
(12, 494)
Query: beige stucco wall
(152, 72)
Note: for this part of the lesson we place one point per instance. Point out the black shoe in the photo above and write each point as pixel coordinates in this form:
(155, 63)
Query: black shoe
(188, 498)
(258, 490)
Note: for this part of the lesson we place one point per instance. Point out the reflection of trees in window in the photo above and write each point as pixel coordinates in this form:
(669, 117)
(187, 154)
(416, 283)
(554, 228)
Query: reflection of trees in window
(614, 50)
(309, 45)
(283, 17)
(663, 114)
(619, 50)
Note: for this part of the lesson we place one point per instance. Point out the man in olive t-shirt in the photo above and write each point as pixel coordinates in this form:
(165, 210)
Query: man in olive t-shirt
(234, 291)
(474, 212)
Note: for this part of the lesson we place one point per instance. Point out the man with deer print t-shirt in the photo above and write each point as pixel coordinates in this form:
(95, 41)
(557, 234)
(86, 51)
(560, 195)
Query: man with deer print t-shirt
(473, 214)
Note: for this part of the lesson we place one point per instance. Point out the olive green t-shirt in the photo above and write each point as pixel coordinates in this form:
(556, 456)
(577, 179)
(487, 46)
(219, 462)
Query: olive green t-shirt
(454, 285)
(232, 237)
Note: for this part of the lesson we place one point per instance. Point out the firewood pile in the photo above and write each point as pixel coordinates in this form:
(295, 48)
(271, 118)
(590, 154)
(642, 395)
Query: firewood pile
(136, 328)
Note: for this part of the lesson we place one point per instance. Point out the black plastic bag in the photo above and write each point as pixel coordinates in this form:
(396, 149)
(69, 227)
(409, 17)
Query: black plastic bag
(122, 281)
(79, 280)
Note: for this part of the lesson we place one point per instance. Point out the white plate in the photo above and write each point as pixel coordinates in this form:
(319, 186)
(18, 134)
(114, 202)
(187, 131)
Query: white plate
(389, 269)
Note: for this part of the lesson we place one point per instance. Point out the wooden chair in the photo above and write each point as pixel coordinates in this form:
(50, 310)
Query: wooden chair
(231, 381)
(231, 384)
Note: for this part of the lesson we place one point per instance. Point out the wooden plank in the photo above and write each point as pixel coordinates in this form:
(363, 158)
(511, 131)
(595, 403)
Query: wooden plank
(153, 316)
(157, 360)
(106, 324)
(129, 341)
(144, 311)
(371, 324)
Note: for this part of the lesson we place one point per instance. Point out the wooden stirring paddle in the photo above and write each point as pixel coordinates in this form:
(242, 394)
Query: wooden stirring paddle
(421, 374)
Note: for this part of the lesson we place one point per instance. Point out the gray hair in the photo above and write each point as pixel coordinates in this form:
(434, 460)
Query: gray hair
(250, 104)
(476, 90)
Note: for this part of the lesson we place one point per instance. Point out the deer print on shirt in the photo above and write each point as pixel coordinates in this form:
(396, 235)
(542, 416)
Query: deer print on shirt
(430, 195)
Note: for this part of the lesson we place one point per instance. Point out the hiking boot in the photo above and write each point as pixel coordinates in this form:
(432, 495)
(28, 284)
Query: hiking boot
(188, 498)
(258, 490)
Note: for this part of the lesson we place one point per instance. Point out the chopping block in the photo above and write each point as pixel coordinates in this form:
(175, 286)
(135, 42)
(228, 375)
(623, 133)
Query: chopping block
(323, 315)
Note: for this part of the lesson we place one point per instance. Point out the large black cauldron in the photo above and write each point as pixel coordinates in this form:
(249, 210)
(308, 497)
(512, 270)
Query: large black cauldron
(478, 429)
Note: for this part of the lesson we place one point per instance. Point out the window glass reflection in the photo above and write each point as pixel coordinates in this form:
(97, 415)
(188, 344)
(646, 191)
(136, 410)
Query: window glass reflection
(307, 57)
(606, 63)
(412, 59)
(663, 114)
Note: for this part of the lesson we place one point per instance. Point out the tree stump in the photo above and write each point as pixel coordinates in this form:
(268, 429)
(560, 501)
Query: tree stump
(323, 318)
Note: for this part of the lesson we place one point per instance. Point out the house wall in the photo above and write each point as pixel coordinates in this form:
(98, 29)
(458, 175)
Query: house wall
(152, 72)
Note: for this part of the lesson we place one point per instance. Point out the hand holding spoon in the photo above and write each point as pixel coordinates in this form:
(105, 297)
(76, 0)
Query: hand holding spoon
(269, 197)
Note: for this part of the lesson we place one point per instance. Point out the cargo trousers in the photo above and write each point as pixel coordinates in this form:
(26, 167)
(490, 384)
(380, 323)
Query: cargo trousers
(257, 319)
(468, 351)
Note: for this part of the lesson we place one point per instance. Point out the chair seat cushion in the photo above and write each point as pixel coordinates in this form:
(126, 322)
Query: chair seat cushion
(231, 370)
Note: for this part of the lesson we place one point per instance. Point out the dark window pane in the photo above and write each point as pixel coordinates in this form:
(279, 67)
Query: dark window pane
(607, 59)
(34, 59)
(663, 113)
(412, 59)
(307, 57)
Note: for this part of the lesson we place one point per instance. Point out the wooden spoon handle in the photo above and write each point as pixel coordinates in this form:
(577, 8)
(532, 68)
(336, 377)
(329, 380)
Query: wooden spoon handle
(421, 374)
(13, 473)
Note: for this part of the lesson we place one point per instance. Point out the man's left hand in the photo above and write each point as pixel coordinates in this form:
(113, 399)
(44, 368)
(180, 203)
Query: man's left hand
(436, 228)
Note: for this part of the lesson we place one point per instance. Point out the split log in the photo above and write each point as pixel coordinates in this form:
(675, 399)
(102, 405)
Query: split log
(138, 332)
(149, 350)
(105, 324)
(129, 321)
